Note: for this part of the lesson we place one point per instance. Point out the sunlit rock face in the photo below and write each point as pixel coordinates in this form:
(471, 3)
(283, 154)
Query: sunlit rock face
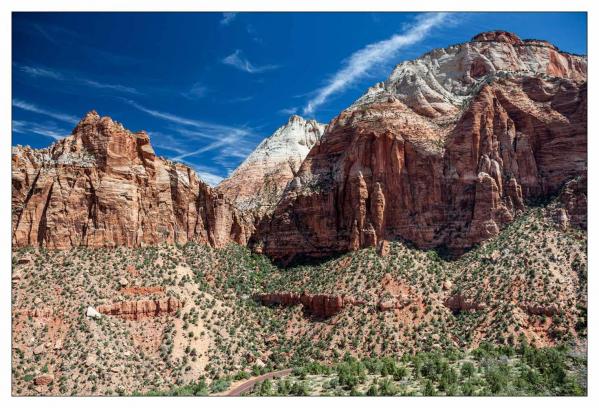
(439, 83)
(103, 186)
(258, 183)
(443, 153)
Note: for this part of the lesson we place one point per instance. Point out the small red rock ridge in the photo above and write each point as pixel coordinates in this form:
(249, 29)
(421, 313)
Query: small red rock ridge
(140, 309)
(317, 305)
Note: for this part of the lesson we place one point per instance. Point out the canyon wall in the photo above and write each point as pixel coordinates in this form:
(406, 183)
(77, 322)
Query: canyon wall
(443, 154)
(103, 186)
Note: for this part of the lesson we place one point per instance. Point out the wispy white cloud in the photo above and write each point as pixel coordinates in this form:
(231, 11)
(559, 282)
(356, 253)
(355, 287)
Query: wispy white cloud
(191, 138)
(210, 178)
(53, 33)
(236, 60)
(239, 99)
(113, 87)
(207, 129)
(208, 174)
(251, 30)
(360, 62)
(288, 111)
(197, 91)
(228, 18)
(40, 72)
(207, 148)
(47, 130)
(110, 57)
(18, 103)
(43, 72)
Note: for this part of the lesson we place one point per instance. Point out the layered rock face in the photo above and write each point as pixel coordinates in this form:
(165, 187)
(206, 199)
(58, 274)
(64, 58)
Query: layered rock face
(439, 83)
(258, 183)
(318, 305)
(103, 186)
(572, 206)
(444, 153)
(139, 309)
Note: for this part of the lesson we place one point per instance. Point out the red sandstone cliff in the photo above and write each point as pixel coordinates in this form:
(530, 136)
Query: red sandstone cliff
(136, 310)
(444, 153)
(104, 186)
(318, 305)
(437, 155)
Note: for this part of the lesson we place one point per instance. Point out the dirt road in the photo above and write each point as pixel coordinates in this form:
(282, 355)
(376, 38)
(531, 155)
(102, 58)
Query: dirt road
(249, 384)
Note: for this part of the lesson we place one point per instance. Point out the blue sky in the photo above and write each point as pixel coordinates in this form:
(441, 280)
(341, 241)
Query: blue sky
(208, 87)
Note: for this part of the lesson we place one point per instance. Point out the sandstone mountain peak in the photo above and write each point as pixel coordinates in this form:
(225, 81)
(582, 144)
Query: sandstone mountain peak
(104, 186)
(444, 153)
(259, 181)
(91, 116)
(440, 83)
(498, 36)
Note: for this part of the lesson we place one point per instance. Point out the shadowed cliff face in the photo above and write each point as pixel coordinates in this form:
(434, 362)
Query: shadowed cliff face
(389, 167)
(104, 186)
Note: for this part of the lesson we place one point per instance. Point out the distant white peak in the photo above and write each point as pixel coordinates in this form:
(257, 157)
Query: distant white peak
(292, 140)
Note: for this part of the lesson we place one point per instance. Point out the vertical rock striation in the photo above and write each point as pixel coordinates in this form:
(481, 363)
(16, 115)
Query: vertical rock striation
(103, 186)
(443, 153)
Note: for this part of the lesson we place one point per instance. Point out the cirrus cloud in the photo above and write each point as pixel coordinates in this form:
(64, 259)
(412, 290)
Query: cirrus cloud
(238, 61)
(360, 62)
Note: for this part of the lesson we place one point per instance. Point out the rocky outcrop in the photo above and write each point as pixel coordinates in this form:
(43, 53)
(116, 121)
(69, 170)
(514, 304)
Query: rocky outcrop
(258, 183)
(571, 209)
(43, 313)
(458, 303)
(435, 156)
(393, 304)
(139, 309)
(318, 305)
(26, 259)
(103, 186)
(440, 82)
(383, 248)
(498, 36)
(43, 379)
(541, 310)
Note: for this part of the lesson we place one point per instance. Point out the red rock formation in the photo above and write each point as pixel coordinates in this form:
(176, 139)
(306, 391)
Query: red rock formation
(37, 313)
(458, 303)
(104, 186)
(541, 310)
(318, 305)
(43, 379)
(383, 248)
(498, 36)
(135, 310)
(392, 304)
(387, 168)
(572, 208)
(444, 153)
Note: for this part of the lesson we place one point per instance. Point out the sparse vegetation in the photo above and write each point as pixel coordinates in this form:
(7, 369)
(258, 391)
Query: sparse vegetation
(528, 283)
